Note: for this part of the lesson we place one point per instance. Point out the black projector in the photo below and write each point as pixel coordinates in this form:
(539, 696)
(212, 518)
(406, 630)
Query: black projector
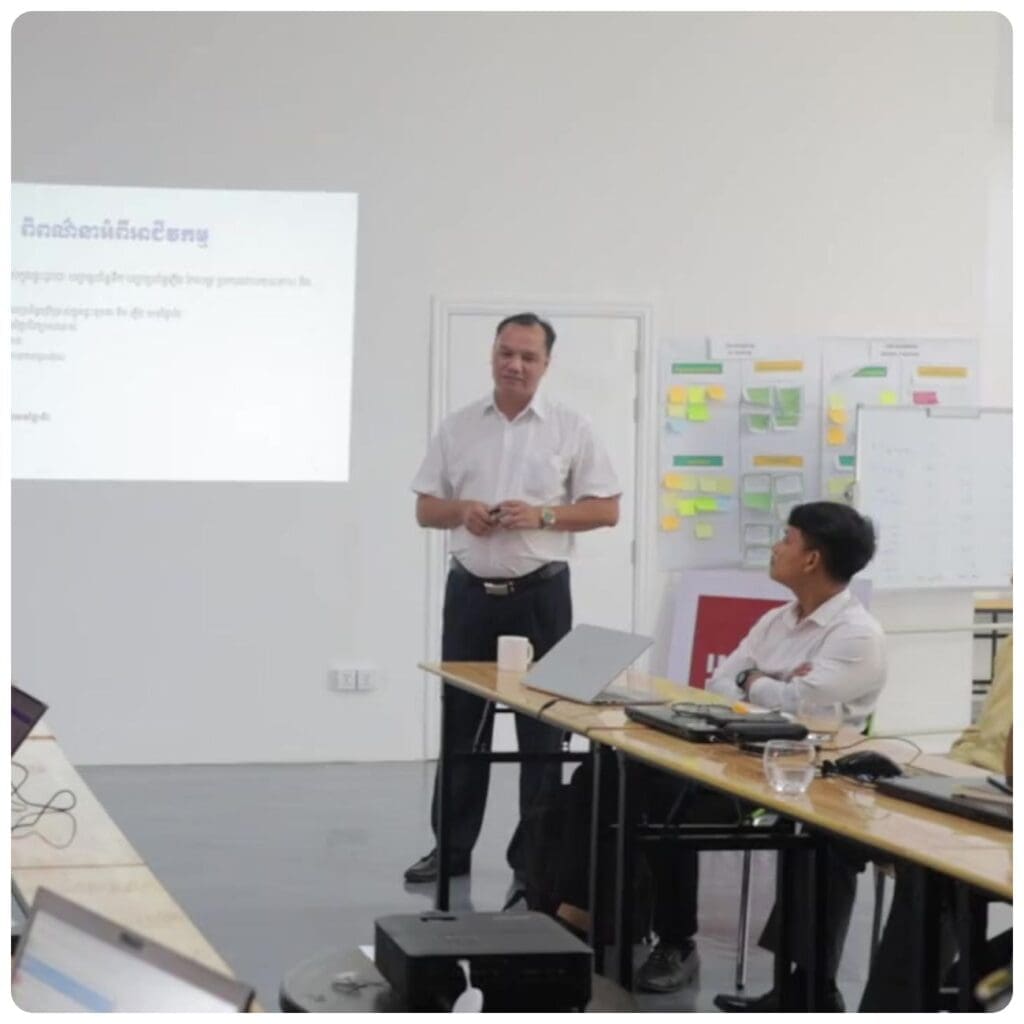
(519, 960)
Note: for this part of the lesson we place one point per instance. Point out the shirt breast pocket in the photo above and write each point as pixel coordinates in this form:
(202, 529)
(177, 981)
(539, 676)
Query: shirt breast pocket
(545, 475)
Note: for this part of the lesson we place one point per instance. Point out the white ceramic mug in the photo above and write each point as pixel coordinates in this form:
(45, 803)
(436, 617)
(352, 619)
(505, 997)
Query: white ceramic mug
(514, 653)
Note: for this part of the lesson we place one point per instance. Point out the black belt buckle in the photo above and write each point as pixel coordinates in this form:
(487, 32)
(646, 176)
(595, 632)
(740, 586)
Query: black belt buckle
(502, 589)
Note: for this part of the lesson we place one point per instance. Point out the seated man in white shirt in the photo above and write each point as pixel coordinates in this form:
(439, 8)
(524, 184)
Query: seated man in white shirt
(822, 646)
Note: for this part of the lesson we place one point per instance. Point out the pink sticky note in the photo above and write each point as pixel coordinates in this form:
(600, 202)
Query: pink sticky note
(925, 398)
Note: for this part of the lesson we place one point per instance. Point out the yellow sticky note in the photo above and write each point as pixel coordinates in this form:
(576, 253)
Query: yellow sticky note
(697, 395)
(837, 416)
(689, 482)
(706, 504)
(837, 485)
(677, 394)
(673, 481)
(726, 485)
(697, 413)
(888, 398)
(686, 507)
(836, 402)
(716, 392)
(676, 412)
(709, 484)
(669, 523)
(836, 436)
(703, 531)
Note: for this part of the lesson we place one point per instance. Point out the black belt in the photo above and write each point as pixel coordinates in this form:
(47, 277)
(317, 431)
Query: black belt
(504, 587)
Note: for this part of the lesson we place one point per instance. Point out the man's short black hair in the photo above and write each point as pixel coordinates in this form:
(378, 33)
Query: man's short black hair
(845, 538)
(530, 320)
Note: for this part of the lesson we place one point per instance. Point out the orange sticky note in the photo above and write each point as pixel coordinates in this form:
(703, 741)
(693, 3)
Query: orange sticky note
(669, 523)
(677, 394)
(717, 392)
(836, 436)
(837, 416)
(673, 481)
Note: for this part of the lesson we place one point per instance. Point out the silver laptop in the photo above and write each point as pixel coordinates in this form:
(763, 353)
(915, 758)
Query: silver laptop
(70, 959)
(584, 664)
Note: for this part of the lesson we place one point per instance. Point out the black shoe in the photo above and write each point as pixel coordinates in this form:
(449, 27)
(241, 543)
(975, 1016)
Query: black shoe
(668, 968)
(425, 869)
(770, 1001)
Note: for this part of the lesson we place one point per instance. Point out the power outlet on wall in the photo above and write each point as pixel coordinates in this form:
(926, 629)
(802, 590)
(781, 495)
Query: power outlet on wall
(342, 678)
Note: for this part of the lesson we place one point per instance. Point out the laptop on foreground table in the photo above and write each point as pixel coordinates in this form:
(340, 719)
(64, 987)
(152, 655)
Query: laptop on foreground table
(583, 665)
(70, 959)
(25, 712)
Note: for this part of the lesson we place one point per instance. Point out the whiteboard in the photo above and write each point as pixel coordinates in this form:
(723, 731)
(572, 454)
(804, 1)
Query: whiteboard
(938, 484)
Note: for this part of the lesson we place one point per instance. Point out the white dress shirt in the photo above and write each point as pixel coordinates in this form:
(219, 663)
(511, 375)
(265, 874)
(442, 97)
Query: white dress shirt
(842, 643)
(548, 455)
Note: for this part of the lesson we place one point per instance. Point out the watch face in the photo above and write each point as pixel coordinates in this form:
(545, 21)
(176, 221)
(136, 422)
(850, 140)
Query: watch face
(547, 517)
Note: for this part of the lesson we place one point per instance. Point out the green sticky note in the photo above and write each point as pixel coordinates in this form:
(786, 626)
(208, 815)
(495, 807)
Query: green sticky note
(697, 395)
(697, 413)
(888, 398)
(759, 421)
(789, 400)
(706, 504)
(703, 531)
(786, 421)
(758, 501)
(758, 396)
(686, 507)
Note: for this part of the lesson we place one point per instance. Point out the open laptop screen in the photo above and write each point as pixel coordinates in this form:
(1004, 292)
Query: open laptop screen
(70, 959)
(25, 712)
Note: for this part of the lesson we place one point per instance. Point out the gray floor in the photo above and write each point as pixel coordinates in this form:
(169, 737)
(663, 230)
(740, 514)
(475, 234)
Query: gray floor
(277, 862)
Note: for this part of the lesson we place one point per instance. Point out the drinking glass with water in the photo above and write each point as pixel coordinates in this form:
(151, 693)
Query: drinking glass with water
(789, 765)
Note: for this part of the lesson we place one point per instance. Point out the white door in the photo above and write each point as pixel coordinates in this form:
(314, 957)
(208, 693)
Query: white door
(594, 370)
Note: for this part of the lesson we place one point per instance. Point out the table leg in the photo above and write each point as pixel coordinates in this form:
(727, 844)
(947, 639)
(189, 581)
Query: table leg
(624, 872)
(785, 877)
(971, 927)
(444, 796)
(817, 967)
(597, 873)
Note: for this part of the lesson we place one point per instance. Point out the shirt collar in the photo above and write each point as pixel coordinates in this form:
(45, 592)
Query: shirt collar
(824, 613)
(538, 407)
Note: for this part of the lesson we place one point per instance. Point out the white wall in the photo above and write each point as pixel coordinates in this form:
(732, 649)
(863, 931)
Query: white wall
(840, 174)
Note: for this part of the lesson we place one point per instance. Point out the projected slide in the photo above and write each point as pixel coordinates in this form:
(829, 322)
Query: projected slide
(181, 334)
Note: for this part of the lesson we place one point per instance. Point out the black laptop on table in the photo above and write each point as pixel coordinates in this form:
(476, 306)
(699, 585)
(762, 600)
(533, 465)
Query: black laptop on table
(975, 798)
(26, 710)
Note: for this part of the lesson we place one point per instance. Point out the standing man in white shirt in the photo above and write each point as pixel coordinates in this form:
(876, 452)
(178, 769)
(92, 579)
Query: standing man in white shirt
(513, 476)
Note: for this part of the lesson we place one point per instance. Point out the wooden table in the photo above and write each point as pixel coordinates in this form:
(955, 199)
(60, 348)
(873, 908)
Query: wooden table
(972, 854)
(98, 867)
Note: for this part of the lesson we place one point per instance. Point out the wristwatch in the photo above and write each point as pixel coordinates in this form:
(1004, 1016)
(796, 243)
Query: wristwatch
(742, 676)
(547, 518)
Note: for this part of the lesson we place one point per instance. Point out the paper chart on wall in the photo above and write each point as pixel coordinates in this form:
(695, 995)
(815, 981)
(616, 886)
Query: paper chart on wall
(751, 427)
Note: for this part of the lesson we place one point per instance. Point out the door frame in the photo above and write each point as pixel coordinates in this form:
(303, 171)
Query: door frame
(442, 311)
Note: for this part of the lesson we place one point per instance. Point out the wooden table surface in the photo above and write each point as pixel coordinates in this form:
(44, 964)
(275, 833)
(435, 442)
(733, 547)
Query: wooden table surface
(84, 837)
(95, 865)
(967, 850)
